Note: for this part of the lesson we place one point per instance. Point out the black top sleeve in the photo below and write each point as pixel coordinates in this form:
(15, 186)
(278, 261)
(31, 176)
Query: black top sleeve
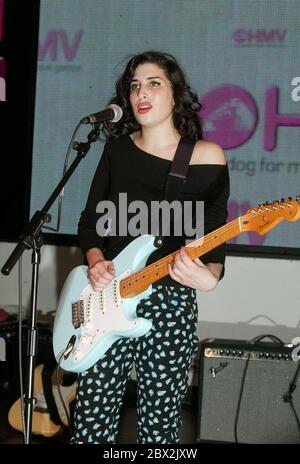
(215, 215)
(87, 233)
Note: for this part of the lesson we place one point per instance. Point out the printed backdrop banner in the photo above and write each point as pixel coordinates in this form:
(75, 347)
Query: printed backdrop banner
(239, 56)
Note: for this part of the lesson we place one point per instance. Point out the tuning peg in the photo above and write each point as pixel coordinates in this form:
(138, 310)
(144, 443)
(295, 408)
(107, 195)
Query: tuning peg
(298, 198)
(290, 198)
(282, 200)
(267, 205)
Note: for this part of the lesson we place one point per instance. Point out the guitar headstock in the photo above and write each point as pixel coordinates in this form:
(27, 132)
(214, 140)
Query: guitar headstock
(268, 215)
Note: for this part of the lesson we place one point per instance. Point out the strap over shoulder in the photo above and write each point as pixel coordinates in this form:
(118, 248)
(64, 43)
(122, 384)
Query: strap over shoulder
(177, 175)
(182, 157)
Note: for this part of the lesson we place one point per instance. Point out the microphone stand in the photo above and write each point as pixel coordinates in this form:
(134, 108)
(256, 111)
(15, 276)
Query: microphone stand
(31, 238)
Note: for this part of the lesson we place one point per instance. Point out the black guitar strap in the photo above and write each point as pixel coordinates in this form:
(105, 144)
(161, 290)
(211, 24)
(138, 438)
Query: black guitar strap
(177, 175)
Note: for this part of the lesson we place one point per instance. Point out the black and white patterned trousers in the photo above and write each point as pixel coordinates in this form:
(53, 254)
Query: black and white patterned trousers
(162, 358)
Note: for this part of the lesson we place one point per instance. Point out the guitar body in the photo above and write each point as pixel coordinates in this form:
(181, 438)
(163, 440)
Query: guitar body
(41, 421)
(107, 317)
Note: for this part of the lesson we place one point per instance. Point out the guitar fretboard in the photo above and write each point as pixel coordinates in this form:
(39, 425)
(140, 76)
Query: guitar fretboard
(139, 281)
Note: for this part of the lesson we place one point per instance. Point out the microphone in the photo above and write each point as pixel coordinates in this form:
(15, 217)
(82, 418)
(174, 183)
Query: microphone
(112, 113)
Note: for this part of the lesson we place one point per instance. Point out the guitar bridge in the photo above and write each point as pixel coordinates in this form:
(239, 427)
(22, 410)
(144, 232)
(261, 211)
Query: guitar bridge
(77, 314)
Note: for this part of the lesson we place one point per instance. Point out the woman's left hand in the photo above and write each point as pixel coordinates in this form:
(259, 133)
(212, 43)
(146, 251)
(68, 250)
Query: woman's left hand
(191, 273)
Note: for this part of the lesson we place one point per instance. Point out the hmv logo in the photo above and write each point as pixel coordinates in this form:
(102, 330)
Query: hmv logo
(259, 37)
(58, 44)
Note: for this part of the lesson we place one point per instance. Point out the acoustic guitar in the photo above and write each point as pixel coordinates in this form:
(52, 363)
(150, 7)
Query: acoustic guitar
(41, 421)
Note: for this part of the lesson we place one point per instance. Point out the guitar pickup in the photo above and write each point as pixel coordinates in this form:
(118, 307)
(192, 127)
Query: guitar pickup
(77, 314)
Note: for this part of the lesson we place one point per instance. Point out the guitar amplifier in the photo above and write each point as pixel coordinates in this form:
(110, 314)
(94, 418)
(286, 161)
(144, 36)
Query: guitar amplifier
(248, 393)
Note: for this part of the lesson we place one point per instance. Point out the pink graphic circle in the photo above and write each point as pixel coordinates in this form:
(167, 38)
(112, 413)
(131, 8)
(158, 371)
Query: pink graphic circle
(229, 115)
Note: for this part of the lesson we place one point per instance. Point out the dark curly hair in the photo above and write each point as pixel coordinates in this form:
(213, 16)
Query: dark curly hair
(186, 107)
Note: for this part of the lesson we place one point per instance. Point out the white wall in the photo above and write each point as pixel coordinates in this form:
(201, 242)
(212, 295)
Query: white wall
(256, 296)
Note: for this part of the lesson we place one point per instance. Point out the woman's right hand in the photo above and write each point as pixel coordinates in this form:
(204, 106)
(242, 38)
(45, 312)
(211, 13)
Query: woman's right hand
(101, 273)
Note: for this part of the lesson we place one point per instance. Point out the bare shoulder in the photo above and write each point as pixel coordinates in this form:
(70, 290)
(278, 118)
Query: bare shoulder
(208, 153)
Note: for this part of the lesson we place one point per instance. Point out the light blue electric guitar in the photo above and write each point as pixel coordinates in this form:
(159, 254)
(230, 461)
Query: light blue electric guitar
(88, 322)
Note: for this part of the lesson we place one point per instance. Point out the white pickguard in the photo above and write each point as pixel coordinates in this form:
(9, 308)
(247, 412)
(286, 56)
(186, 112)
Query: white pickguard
(100, 309)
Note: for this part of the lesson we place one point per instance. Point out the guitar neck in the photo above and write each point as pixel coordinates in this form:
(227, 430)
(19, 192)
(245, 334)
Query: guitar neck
(139, 281)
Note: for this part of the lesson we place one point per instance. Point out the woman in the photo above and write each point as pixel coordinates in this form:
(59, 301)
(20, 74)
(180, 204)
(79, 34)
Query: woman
(159, 108)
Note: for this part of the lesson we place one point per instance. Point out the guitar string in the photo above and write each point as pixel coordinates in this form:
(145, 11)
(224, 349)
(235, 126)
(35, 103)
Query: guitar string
(206, 246)
(161, 265)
